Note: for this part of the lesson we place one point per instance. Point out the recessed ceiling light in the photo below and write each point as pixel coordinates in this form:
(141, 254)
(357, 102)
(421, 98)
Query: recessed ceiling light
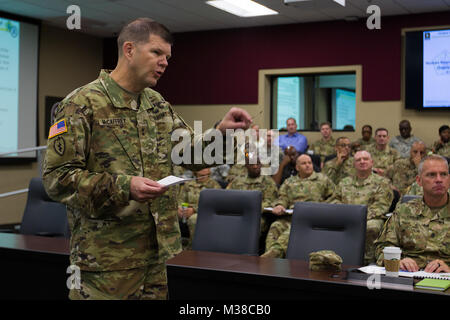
(242, 8)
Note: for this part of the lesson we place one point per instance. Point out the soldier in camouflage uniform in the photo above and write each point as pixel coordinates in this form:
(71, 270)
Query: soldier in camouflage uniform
(366, 188)
(404, 171)
(403, 142)
(109, 145)
(366, 139)
(253, 180)
(341, 166)
(383, 156)
(308, 185)
(421, 227)
(325, 146)
(190, 194)
(442, 146)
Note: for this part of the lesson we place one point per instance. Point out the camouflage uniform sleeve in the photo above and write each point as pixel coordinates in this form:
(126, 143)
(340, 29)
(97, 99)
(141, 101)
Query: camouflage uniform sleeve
(336, 197)
(380, 203)
(331, 171)
(387, 238)
(270, 192)
(330, 189)
(283, 196)
(65, 176)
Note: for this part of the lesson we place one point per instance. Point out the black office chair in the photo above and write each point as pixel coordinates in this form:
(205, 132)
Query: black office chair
(409, 197)
(228, 221)
(325, 226)
(43, 216)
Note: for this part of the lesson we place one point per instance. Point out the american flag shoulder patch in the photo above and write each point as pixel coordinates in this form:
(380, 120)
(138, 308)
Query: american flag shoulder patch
(58, 128)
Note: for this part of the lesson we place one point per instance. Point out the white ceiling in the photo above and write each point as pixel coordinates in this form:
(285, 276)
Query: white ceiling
(105, 17)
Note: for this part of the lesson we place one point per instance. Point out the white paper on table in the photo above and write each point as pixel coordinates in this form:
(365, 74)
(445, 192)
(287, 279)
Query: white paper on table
(401, 273)
(172, 180)
(271, 209)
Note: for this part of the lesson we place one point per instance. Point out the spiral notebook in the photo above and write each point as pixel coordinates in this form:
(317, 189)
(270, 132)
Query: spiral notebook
(402, 273)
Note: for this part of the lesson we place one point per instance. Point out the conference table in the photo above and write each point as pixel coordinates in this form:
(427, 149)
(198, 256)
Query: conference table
(33, 267)
(200, 275)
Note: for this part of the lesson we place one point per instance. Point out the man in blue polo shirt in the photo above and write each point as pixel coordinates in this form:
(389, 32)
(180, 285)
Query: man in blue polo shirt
(293, 138)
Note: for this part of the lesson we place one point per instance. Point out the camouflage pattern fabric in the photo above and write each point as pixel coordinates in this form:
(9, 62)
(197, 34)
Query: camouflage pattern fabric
(414, 189)
(278, 247)
(383, 159)
(237, 170)
(113, 135)
(442, 149)
(324, 148)
(365, 144)
(403, 174)
(265, 184)
(190, 191)
(325, 260)
(338, 172)
(423, 233)
(316, 188)
(134, 284)
(402, 145)
(373, 192)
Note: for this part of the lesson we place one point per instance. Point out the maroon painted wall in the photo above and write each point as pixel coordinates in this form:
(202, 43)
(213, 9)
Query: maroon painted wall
(221, 67)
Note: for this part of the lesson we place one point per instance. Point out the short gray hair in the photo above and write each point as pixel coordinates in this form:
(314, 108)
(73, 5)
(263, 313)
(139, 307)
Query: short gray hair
(435, 157)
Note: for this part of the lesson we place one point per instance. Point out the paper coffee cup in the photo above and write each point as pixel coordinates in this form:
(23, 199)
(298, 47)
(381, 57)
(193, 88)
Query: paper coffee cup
(392, 260)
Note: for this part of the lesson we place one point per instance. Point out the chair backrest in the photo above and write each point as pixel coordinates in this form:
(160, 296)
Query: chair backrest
(325, 226)
(228, 221)
(42, 215)
(409, 197)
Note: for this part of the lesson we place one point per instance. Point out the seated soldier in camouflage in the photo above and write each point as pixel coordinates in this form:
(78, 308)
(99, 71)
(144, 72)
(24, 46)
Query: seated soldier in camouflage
(369, 189)
(404, 171)
(383, 156)
(442, 146)
(325, 146)
(341, 166)
(308, 185)
(366, 137)
(253, 180)
(189, 194)
(421, 227)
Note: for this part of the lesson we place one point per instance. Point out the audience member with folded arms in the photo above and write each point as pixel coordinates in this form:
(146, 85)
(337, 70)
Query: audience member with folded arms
(403, 142)
(366, 188)
(307, 185)
(341, 166)
(383, 156)
(421, 227)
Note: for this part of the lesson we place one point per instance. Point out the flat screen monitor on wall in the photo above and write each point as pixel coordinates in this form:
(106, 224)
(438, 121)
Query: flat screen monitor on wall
(19, 43)
(427, 70)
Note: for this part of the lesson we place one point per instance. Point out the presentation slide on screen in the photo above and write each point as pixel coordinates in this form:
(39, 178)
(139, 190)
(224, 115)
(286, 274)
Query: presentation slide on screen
(344, 108)
(9, 84)
(436, 68)
(288, 100)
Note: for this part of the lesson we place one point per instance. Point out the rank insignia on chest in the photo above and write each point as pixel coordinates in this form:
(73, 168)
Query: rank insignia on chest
(58, 128)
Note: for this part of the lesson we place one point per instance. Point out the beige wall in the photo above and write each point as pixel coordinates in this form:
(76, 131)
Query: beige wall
(385, 114)
(67, 60)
